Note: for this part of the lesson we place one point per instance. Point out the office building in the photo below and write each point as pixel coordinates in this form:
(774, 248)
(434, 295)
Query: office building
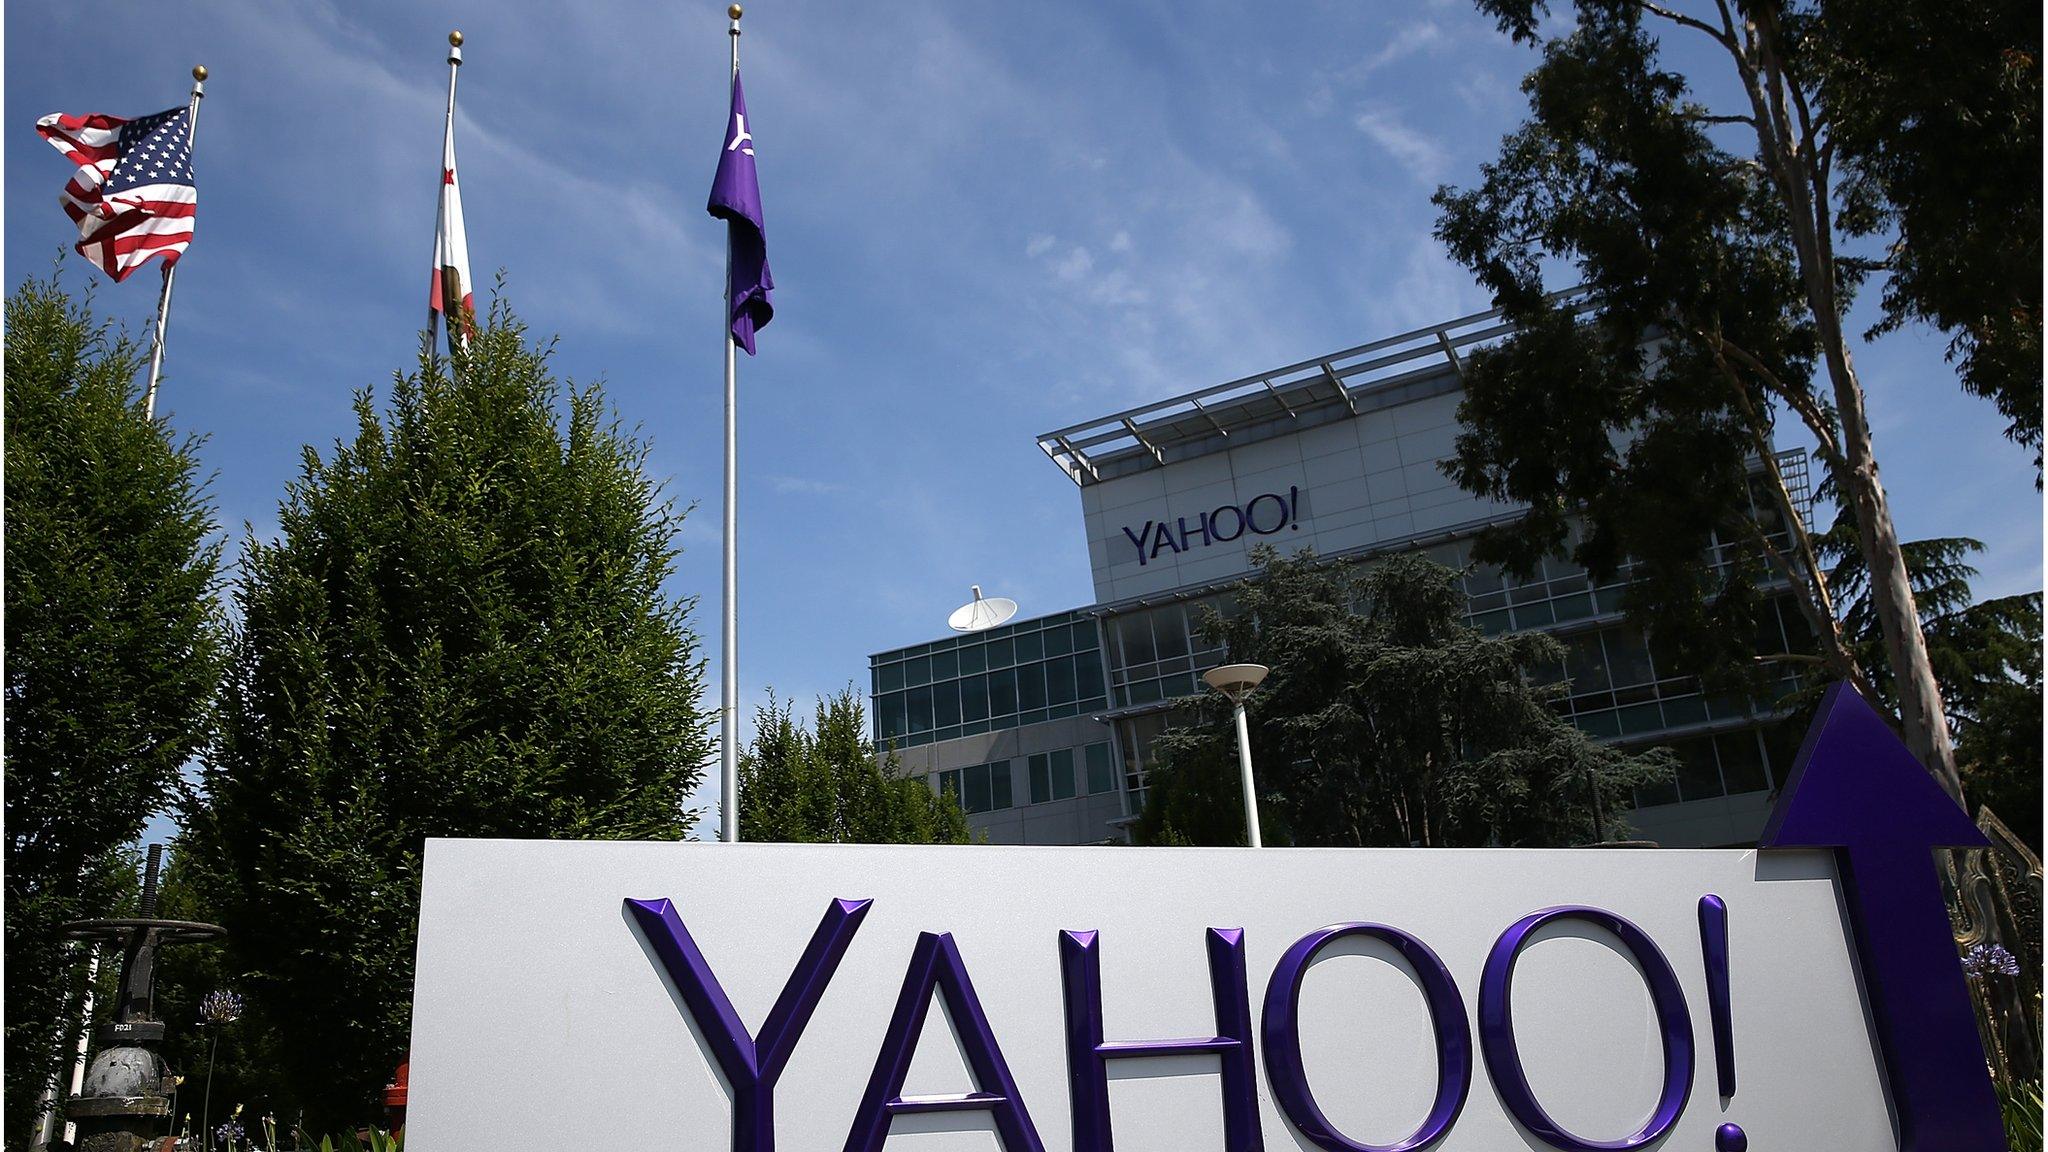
(1043, 726)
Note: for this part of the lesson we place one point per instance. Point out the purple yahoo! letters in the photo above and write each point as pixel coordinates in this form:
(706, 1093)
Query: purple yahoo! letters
(1856, 789)
(1088, 1056)
(1504, 1059)
(1282, 1032)
(935, 963)
(751, 1065)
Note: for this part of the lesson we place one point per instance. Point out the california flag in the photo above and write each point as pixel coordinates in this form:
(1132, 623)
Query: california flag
(451, 299)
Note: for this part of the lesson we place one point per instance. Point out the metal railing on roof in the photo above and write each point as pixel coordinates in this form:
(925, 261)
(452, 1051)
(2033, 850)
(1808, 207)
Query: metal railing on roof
(1792, 465)
(1282, 393)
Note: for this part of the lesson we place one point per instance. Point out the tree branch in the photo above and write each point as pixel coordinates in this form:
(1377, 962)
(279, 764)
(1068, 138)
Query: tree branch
(1809, 127)
(1800, 402)
(1716, 118)
(1815, 602)
(1681, 18)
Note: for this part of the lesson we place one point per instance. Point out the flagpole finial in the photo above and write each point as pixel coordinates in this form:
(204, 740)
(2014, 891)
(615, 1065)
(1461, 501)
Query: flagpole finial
(199, 73)
(735, 12)
(455, 39)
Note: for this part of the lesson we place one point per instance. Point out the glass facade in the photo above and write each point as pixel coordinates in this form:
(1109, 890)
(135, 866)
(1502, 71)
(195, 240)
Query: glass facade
(1007, 677)
(1158, 653)
(1617, 689)
(1726, 764)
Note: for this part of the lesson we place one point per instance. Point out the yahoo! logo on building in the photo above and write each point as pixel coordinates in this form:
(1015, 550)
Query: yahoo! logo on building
(1262, 515)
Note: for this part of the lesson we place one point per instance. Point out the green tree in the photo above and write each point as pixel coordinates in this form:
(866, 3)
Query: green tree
(461, 630)
(1387, 721)
(824, 784)
(1986, 655)
(1715, 242)
(1935, 110)
(114, 645)
(1989, 658)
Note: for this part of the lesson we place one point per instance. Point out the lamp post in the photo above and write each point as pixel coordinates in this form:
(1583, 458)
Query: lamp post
(1236, 682)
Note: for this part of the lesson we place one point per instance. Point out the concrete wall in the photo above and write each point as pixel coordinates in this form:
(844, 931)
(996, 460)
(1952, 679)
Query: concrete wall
(1723, 820)
(1081, 820)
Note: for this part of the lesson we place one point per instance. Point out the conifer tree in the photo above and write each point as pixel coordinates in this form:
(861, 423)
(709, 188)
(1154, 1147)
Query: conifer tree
(825, 785)
(460, 630)
(113, 645)
(1386, 721)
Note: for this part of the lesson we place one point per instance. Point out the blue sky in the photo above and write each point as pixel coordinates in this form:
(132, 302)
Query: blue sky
(986, 220)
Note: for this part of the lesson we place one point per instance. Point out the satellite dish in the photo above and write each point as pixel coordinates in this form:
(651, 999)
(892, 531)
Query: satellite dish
(981, 614)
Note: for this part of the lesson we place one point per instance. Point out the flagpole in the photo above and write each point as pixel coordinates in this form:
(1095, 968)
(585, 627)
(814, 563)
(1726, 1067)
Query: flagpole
(447, 130)
(163, 298)
(729, 695)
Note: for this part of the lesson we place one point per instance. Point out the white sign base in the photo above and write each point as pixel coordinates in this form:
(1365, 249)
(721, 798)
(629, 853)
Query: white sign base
(543, 1018)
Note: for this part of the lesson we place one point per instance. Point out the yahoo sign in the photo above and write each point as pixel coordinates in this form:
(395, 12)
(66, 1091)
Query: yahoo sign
(1262, 515)
(758, 997)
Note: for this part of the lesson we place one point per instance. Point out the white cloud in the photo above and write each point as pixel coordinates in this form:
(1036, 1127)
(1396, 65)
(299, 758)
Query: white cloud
(1118, 288)
(1040, 244)
(1422, 157)
(1074, 265)
(803, 486)
(1121, 242)
(1428, 288)
(1423, 37)
(1487, 93)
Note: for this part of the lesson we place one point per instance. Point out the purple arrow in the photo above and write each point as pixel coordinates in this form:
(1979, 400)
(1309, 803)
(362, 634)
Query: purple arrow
(1856, 789)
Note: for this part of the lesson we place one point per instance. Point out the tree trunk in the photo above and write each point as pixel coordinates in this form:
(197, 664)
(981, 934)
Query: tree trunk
(1920, 710)
(1801, 172)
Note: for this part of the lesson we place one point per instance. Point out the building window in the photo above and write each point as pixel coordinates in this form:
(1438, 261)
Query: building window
(981, 788)
(1059, 641)
(974, 788)
(1742, 762)
(1002, 692)
(919, 703)
(973, 698)
(1101, 777)
(1030, 687)
(891, 722)
(1065, 773)
(1059, 680)
(1726, 764)
(1062, 761)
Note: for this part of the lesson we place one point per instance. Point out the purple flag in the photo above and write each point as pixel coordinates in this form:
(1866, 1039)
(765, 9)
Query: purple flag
(736, 199)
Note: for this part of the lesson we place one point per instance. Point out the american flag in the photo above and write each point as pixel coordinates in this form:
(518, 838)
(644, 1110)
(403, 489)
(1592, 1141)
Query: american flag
(132, 196)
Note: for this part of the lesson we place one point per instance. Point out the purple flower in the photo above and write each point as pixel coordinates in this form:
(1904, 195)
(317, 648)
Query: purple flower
(220, 1007)
(1988, 959)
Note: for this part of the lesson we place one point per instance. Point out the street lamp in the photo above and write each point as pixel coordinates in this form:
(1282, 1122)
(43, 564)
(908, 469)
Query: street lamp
(1236, 682)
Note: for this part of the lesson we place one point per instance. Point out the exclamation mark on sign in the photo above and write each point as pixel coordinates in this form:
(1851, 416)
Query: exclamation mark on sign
(1714, 946)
